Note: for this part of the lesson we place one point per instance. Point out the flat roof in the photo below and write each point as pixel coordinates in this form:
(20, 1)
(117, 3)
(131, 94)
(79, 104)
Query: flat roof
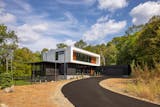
(41, 62)
(38, 62)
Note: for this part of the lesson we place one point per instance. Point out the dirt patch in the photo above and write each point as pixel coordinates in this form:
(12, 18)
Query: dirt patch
(121, 85)
(36, 95)
(117, 84)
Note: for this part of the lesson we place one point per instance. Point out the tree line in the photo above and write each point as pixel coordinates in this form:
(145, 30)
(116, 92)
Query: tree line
(139, 45)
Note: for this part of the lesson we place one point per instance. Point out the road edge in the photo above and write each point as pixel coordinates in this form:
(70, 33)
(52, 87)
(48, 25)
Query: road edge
(59, 98)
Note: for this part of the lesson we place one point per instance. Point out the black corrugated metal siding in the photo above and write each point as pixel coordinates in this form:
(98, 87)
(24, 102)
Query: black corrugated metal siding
(115, 70)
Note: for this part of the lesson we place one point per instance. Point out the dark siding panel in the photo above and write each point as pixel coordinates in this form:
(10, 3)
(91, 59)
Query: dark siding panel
(116, 70)
(71, 71)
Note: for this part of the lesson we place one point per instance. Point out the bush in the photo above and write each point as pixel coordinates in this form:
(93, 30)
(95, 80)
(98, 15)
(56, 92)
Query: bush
(146, 82)
(5, 80)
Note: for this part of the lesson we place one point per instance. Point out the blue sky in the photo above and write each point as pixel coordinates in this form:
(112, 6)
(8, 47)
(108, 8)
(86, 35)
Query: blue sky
(43, 24)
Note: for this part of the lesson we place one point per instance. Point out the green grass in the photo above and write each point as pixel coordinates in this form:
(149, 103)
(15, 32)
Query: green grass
(21, 82)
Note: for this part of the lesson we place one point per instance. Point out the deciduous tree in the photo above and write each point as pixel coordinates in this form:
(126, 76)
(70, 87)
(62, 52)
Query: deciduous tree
(8, 43)
(80, 44)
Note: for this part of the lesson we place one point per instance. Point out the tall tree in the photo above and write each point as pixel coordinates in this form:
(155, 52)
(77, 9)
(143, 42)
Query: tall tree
(8, 43)
(22, 56)
(111, 54)
(61, 45)
(154, 18)
(148, 43)
(80, 44)
(102, 51)
(133, 29)
(44, 50)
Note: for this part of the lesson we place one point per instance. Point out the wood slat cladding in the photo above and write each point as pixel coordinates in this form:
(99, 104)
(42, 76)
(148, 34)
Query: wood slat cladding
(93, 60)
(74, 55)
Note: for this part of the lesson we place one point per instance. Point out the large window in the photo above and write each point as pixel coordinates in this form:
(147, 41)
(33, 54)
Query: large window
(58, 53)
(83, 57)
(56, 56)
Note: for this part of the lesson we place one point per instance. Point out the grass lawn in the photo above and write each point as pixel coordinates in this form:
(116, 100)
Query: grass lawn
(21, 82)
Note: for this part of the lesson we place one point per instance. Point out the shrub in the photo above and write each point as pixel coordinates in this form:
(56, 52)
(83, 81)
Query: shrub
(5, 80)
(146, 82)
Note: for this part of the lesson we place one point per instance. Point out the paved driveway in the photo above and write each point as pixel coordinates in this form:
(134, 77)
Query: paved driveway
(88, 93)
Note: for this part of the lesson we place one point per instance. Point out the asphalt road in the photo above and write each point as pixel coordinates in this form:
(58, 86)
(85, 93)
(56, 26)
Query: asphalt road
(88, 93)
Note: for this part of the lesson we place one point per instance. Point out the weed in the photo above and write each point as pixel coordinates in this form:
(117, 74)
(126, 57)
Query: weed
(146, 82)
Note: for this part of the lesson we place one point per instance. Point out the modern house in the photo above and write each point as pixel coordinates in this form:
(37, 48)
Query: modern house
(65, 63)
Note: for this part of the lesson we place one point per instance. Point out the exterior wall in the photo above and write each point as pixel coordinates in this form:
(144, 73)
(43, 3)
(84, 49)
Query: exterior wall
(77, 76)
(70, 57)
(49, 56)
(47, 71)
(68, 54)
(71, 71)
(115, 70)
(95, 61)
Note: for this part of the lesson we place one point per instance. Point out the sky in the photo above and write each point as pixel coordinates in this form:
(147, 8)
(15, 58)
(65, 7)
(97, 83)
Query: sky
(44, 23)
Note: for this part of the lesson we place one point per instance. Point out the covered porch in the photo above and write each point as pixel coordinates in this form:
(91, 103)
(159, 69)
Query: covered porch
(51, 71)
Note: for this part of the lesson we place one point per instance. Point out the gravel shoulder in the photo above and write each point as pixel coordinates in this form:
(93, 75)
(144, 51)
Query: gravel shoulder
(58, 98)
(119, 85)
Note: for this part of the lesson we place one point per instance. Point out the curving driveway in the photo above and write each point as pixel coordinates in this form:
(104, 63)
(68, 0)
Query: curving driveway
(88, 93)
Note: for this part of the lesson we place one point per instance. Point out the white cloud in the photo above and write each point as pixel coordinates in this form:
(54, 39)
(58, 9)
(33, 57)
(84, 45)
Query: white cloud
(40, 27)
(30, 36)
(27, 34)
(144, 11)
(103, 28)
(37, 30)
(7, 18)
(41, 32)
(42, 42)
(69, 42)
(112, 5)
(71, 18)
(33, 39)
(103, 18)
